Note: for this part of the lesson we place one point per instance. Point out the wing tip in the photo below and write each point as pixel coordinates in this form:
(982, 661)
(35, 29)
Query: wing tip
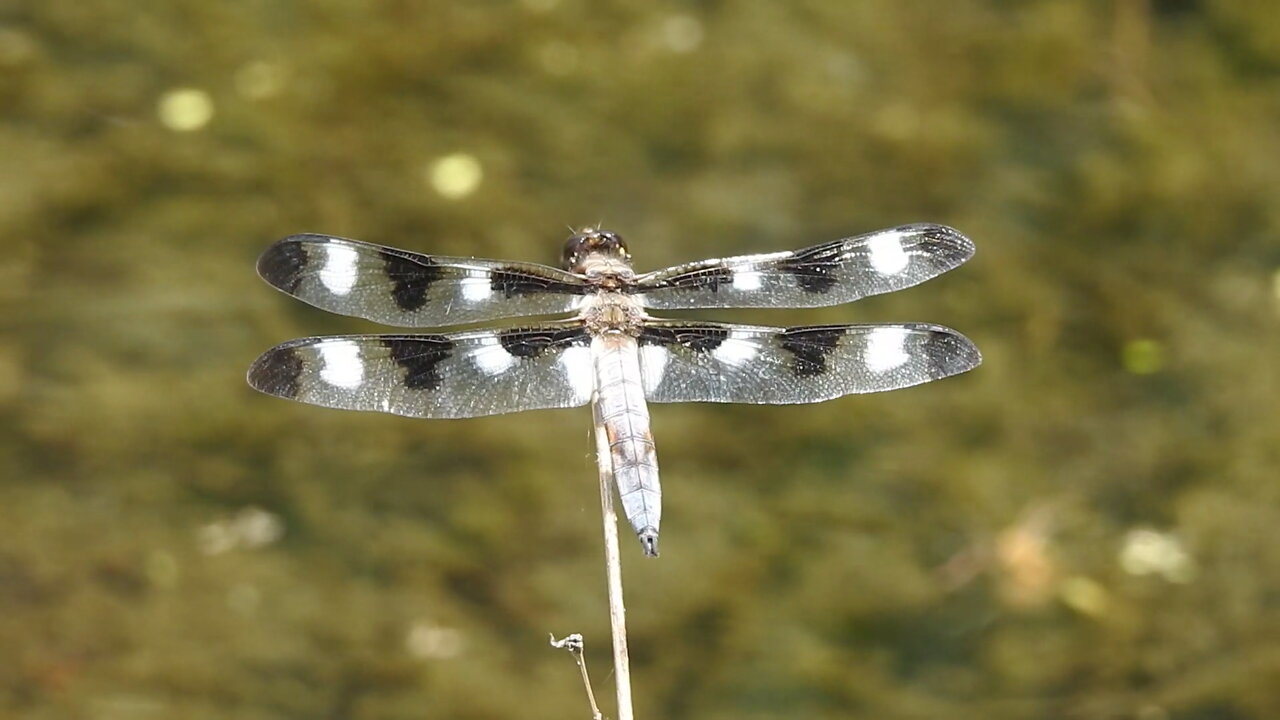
(958, 353)
(276, 371)
(959, 247)
(282, 264)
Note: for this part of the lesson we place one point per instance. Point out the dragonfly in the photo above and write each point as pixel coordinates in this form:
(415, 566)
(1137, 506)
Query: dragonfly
(611, 353)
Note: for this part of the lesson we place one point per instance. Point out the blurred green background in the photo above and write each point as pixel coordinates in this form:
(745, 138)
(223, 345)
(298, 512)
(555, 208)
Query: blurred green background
(1085, 527)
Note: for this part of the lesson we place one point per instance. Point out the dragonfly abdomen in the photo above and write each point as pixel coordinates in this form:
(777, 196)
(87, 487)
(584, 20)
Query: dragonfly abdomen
(624, 417)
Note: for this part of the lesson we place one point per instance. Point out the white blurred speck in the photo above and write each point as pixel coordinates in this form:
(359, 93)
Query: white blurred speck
(558, 57)
(250, 528)
(185, 109)
(682, 33)
(429, 641)
(455, 176)
(256, 527)
(1149, 552)
(215, 538)
(259, 80)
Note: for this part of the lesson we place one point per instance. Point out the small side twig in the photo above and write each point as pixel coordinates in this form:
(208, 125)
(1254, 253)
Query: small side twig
(573, 643)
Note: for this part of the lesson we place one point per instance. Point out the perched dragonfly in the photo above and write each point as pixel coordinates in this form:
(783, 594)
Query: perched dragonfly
(612, 353)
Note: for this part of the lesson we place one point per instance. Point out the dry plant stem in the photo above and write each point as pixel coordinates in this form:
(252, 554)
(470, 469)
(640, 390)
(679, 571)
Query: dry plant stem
(613, 570)
(586, 682)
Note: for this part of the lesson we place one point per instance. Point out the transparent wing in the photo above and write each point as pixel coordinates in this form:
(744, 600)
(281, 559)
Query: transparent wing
(828, 274)
(396, 287)
(714, 362)
(456, 375)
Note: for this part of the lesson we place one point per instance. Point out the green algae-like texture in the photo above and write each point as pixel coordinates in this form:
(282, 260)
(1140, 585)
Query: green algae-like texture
(1084, 527)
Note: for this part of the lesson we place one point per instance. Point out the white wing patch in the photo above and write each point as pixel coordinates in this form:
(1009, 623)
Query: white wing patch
(492, 358)
(737, 349)
(477, 289)
(886, 253)
(578, 369)
(886, 349)
(653, 365)
(339, 271)
(746, 280)
(341, 364)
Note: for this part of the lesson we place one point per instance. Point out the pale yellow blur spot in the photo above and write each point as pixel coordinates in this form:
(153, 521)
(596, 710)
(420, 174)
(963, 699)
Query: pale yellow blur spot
(429, 641)
(185, 109)
(259, 80)
(1142, 357)
(682, 33)
(1085, 596)
(1027, 569)
(455, 176)
(897, 121)
(1149, 552)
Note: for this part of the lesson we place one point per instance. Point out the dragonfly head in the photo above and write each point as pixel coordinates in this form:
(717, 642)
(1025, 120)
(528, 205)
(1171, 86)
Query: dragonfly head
(592, 240)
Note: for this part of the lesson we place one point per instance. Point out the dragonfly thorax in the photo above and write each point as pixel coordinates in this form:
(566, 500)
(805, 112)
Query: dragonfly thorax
(612, 312)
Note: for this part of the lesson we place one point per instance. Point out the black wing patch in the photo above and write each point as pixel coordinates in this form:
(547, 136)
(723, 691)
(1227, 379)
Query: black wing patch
(411, 278)
(420, 358)
(697, 338)
(809, 347)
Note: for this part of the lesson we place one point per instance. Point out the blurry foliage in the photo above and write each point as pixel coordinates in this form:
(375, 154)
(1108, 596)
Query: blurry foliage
(948, 551)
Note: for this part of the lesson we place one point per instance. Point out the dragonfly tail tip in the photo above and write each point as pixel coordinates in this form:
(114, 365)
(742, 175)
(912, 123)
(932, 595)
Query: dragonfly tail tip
(649, 541)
